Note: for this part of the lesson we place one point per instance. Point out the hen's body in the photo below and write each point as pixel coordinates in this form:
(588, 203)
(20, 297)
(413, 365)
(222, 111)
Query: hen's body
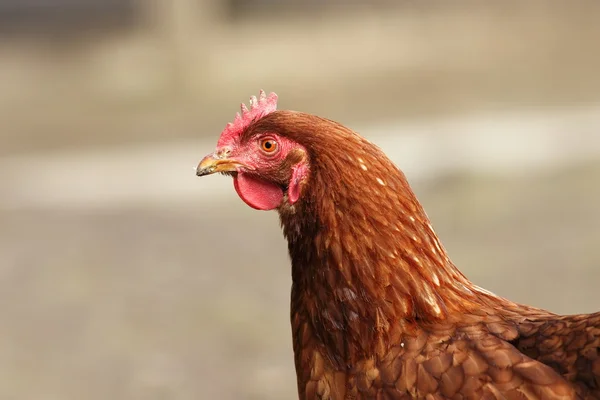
(378, 309)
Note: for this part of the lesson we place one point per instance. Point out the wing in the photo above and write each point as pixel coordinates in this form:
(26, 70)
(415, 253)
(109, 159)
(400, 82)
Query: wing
(570, 345)
(440, 362)
(466, 363)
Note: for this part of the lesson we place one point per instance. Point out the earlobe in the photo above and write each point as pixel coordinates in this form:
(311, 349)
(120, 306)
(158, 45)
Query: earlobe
(299, 173)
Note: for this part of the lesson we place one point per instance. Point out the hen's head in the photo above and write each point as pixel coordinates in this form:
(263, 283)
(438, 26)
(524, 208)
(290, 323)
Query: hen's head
(268, 169)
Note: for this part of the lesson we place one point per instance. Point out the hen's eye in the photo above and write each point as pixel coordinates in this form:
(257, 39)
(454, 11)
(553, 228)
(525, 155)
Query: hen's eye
(268, 145)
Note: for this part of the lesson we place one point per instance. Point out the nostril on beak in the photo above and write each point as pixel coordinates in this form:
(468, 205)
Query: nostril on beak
(212, 163)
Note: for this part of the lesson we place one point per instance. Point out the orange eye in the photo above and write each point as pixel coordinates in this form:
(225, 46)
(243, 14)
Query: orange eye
(268, 145)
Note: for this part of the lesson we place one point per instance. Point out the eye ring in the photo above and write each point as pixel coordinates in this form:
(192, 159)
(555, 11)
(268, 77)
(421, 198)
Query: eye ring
(269, 145)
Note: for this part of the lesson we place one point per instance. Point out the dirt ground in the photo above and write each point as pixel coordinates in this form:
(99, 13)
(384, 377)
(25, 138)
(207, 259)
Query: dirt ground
(189, 301)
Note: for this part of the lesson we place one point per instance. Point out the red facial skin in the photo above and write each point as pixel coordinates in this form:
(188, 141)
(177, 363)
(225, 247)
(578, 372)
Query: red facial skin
(255, 162)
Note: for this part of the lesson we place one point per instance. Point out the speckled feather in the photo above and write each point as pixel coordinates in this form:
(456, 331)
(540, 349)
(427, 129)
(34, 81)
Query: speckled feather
(379, 311)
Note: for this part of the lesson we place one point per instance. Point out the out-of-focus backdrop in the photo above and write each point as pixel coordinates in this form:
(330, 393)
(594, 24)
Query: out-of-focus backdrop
(123, 276)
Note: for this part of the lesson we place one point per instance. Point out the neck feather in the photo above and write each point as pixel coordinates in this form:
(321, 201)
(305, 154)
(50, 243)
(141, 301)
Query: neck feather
(366, 263)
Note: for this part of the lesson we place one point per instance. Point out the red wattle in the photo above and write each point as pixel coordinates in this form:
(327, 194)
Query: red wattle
(258, 194)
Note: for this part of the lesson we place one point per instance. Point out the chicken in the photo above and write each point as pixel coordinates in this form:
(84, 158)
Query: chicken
(378, 309)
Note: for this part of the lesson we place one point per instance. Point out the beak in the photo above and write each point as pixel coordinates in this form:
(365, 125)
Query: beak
(210, 165)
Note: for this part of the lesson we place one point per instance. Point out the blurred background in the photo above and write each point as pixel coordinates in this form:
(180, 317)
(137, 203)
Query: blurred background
(123, 276)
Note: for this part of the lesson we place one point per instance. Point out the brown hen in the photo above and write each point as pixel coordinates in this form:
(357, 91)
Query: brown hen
(378, 310)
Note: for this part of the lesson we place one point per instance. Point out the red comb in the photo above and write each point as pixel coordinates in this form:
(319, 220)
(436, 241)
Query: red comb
(258, 108)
